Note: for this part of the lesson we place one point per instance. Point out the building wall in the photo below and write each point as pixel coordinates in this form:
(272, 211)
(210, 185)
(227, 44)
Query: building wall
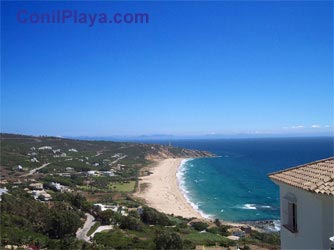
(314, 220)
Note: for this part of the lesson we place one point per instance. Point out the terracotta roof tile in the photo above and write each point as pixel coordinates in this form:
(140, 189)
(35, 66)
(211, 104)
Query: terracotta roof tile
(315, 177)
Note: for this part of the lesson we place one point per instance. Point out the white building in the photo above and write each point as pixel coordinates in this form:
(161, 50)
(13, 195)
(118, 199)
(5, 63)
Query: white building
(3, 191)
(34, 160)
(307, 205)
(107, 207)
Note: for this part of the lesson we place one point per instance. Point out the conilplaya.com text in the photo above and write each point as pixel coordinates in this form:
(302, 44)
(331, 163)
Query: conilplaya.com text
(77, 17)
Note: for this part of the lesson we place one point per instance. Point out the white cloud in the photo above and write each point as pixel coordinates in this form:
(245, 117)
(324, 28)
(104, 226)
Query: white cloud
(297, 127)
(294, 127)
(327, 126)
(315, 126)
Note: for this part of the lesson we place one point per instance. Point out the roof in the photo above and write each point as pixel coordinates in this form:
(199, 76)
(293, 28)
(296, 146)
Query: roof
(316, 177)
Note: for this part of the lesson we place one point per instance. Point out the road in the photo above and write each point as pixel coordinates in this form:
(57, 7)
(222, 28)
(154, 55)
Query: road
(102, 228)
(82, 232)
(31, 172)
(118, 159)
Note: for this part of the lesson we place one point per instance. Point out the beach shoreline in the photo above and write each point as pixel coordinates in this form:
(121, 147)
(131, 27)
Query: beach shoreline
(163, 192)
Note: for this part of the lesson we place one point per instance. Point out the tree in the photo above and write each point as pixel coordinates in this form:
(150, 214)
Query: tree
(223, 230)
(63, 222)
(128, 222)
(199, 225)
(108, 216)
(217, 222)
(165, 240)
(151, 216)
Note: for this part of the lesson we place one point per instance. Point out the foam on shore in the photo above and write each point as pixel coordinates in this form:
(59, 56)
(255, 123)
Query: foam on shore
(180, 176)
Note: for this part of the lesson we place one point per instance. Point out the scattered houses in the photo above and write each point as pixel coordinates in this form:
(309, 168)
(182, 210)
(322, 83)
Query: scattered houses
(100, 173)
(40, 195)
(60, 188)
(139, 209)
(114, 208)
(108, 173)
(69, 169)
(18, 168)
(92, 173)
(38, 186)
(56, 151)
(45, 148)
(107, 207)
(233, 237)
(64, 174)
(3, 191)
(73, 150)
(3, 182)
(34, 160)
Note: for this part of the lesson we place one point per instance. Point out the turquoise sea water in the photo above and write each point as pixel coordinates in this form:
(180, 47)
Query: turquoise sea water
(234, 186)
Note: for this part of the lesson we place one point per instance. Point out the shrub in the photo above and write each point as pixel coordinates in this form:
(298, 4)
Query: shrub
(223, 230)
(217, 222)
(153, 217)
(166, 240)
(213, 230)
(128, 222)
(199, 225)
(270, 238)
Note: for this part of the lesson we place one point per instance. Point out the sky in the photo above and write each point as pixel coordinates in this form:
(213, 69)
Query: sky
(197, 68)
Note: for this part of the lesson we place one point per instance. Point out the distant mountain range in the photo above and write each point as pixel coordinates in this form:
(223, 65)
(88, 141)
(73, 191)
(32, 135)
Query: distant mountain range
(166, 137)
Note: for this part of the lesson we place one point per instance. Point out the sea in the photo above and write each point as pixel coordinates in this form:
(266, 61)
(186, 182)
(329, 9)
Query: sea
(234, 186)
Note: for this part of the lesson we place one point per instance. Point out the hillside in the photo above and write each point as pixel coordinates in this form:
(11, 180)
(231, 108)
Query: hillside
(55, 193)
(31, 152)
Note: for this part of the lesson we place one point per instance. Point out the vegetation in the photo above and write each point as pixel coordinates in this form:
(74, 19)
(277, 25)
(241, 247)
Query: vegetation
(93, 228)
(52, 224)
(35, 222)
(205, 238)
(125, 186)
(199, 225)
(168, 240)
(153, 217)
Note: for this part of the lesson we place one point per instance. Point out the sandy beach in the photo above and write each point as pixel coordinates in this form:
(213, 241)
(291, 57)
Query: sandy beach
(163, 191)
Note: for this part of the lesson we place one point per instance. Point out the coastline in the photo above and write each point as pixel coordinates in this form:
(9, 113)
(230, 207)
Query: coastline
(163, 192)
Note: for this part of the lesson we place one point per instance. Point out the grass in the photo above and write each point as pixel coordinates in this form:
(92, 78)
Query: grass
(90, 189)
(204, 238)
(123, 186)
(93, 228)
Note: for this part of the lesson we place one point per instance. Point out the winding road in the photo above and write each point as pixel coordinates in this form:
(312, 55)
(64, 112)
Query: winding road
(82, 232)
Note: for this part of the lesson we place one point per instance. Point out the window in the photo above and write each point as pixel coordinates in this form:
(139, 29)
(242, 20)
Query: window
(291, 220)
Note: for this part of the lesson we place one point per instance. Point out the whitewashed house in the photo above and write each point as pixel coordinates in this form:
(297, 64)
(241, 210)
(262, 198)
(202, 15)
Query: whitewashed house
(307, 205)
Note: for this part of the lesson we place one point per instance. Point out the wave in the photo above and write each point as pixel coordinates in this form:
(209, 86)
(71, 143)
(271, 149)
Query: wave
(275, 227)
(254, 207)
(180, 176)
(249, 206)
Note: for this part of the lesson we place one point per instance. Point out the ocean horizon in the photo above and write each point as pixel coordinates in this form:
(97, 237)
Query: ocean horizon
(234, 186)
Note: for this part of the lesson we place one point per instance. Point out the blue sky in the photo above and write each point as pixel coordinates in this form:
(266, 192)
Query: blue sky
(196, 68)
